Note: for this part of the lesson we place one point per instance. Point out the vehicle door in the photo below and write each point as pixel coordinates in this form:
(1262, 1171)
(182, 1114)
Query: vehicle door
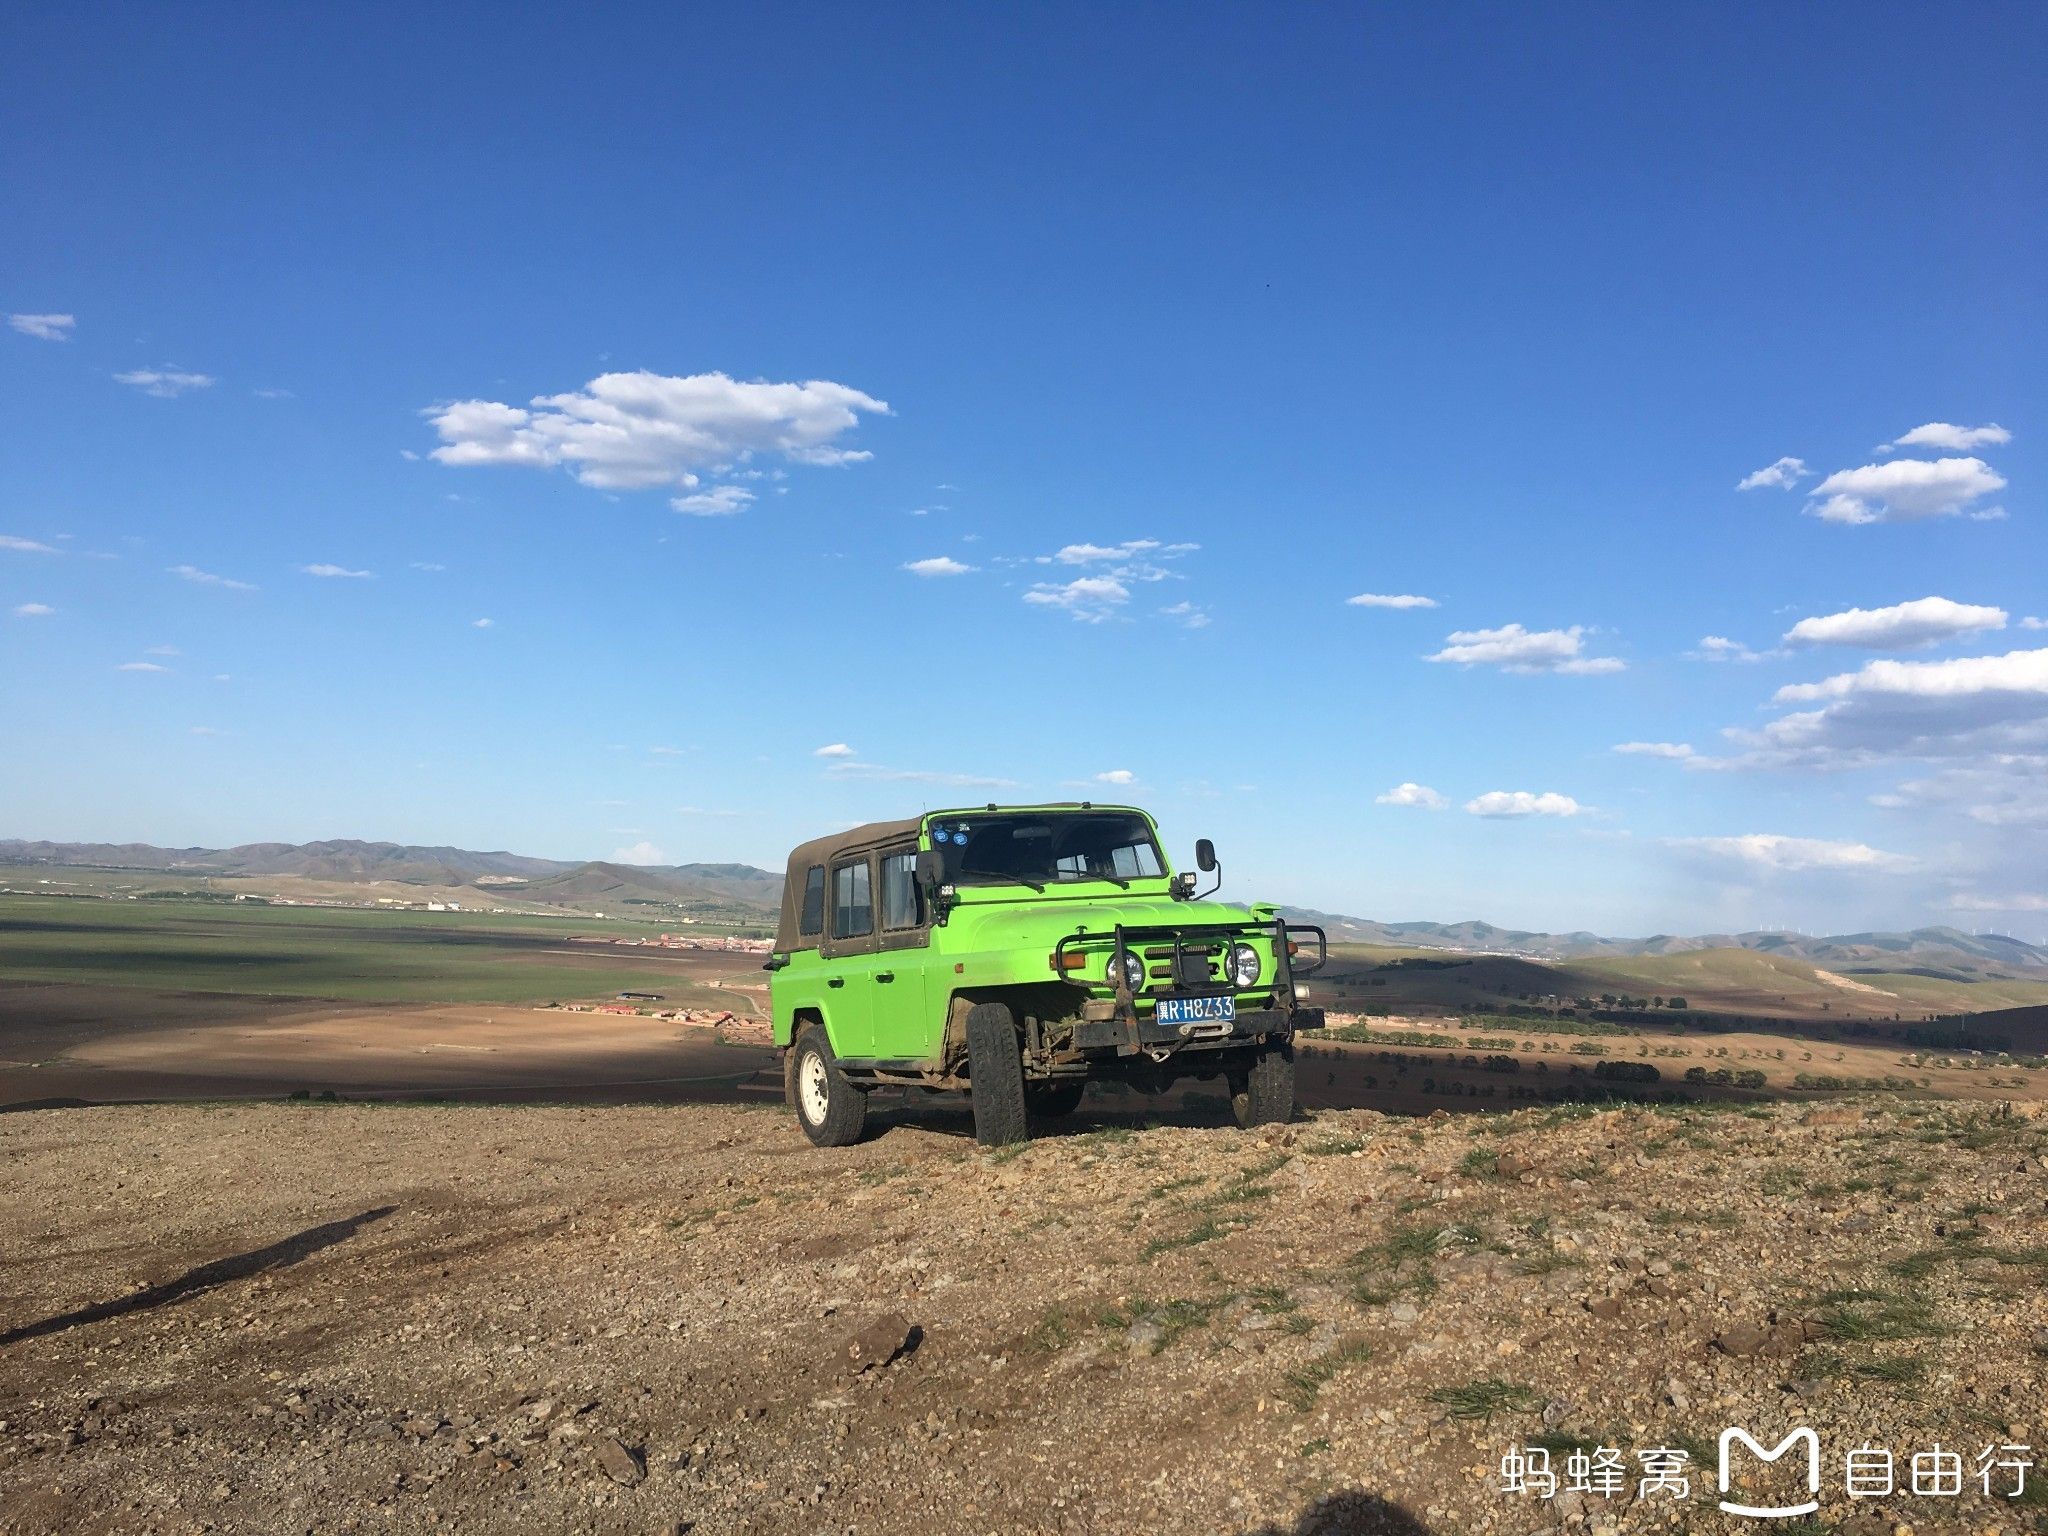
(904, 1026)
(848, 953)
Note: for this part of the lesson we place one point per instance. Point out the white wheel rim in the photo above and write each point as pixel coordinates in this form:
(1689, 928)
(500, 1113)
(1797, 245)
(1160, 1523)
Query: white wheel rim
(814, 1090)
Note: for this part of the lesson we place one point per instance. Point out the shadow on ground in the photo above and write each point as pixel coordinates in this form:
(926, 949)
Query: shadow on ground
(195, 1282)
(1353, 1512)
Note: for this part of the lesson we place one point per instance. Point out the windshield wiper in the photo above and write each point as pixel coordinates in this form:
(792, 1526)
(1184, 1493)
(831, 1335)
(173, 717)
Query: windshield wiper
(989, 877)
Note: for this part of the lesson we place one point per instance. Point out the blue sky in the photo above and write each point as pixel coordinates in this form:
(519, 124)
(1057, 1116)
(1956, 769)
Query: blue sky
(678, 345)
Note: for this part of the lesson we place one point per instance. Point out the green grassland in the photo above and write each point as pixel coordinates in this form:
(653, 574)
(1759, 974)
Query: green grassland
(354, 955)
(1736, 981)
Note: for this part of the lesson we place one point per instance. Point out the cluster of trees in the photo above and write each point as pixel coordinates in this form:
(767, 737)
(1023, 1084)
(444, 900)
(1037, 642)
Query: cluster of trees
(1722, 1077)
(1623, 1000)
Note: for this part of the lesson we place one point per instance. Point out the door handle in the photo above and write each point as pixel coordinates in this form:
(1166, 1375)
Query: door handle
(885, 975)
(835, 981)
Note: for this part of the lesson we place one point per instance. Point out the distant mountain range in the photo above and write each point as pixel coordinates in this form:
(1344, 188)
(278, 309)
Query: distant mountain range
(566, 883)
(518, 877)
(1931, 947)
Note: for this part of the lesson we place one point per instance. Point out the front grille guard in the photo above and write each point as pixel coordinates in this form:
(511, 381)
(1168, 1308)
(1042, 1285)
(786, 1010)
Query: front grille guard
(1122, 940)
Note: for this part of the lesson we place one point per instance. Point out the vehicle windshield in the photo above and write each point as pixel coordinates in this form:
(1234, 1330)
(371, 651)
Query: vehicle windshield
(1043, 849)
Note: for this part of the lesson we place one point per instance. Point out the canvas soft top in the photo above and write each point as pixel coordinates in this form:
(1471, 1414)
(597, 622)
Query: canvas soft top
(823, 850)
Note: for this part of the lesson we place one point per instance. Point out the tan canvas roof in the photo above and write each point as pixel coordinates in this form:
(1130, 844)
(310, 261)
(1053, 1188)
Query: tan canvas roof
(823, 850)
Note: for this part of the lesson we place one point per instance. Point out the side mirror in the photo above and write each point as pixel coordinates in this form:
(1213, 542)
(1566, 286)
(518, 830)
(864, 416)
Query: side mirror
(931, 868)
(1205, 855)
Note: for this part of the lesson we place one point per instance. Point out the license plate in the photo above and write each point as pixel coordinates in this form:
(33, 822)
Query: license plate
(1197, 1010)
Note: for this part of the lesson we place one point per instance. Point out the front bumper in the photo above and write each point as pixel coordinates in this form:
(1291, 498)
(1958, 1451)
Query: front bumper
(1142, 1032)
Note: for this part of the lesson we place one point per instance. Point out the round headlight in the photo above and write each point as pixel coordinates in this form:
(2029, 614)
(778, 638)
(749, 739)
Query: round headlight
(1244, 965)
(1134, 971)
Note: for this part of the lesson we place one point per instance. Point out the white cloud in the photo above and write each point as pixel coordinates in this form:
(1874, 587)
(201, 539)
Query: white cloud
(937, 565)
(2030, 622)
(141, 666)
(336, 571)
(1921, 622)
(2018, 901)
(719, 501)
(1520, 802)
(1420, 796)
(273, 394)
(1904, 490)
(1781, 476)
(43, 327)
(166, 383)
(483, 623)
(1390, 600)
(204, 730)
(1677, 751)
(21, 546)
(428, 566)
(1515, 649)
(1943, 434)
(1968, 705)
(1190, 615)
(1094, 554)
(874, 771)
(1768, 851)
(1117, 776)
(162, 650)
(636, 431)
(1721, 648)
(1996, 790)
(1091, 599)
(639, 853)
(836, 749)
(34, 611)
(2021, 672)
(208, 579)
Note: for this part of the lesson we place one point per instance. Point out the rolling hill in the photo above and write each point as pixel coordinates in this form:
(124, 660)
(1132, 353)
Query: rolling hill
(737, 890)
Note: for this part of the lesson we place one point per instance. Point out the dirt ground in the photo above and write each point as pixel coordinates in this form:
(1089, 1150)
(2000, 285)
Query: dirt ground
(284, 1318)
(106, 1045)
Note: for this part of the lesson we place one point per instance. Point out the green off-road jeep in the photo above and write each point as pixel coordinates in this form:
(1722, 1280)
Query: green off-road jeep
(1017, 952)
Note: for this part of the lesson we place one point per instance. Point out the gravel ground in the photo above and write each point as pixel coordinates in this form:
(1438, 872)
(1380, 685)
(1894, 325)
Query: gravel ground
(305, 1317)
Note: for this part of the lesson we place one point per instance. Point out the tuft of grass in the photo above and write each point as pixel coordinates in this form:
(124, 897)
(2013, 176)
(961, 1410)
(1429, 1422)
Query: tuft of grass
(1480, 1163)
(1398, 1264)
(1240, 1193)
(1053, 1331)
(1856, 1316)
(1205, 1231)
(1264, 1166)
(1316, 1447)
(1548, 1262)
(1486, 1397)
(1903, 1371)
(1336, 1146)
(1300, 1387)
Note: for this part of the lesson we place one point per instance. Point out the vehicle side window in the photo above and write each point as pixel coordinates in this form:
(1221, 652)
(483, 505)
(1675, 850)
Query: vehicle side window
(1135, 861)
(902, 901)
(812, 921)
(853, 902)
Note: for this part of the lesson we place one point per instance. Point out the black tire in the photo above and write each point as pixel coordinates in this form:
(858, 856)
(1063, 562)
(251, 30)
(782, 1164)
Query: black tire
(830, 1109)
(1264, 1093)
(1055, 1100)
(995, 1073)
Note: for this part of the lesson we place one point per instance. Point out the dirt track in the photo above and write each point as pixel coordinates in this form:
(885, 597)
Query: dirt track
(286, 1318)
